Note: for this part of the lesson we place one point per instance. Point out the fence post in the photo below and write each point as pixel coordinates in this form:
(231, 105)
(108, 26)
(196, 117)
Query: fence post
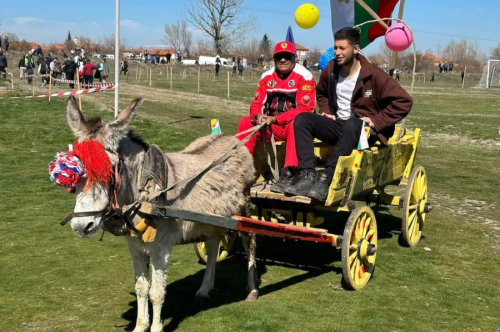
(78, 86)
(136, 72)
(150, 76)
(199, 72)
(50, 86)
(171, 74)
(228, 84)
(33, 85)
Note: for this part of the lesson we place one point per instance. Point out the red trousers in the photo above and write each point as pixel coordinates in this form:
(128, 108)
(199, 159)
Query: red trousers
(282, 133)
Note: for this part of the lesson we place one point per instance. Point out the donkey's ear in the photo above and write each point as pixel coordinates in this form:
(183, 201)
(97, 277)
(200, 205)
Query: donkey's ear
(123, 120)
(76, 120)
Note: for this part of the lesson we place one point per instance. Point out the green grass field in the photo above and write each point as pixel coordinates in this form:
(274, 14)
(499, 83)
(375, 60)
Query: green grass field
(51, 280)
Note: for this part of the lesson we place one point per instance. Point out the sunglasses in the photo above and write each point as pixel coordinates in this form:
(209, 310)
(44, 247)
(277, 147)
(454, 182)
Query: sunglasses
(283, 55)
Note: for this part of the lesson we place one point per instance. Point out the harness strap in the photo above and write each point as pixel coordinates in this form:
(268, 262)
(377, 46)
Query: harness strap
(252, 131)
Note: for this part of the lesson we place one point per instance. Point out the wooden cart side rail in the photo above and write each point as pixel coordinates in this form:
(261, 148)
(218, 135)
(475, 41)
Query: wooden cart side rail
(243, 224)
(411, 161)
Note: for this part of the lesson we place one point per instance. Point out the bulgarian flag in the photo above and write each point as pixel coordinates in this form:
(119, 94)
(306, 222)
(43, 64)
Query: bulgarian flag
(348, 13)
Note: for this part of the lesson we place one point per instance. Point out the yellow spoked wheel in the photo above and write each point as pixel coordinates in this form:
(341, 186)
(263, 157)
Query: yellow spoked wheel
(225, 247)
(359, 248)
(415, 207)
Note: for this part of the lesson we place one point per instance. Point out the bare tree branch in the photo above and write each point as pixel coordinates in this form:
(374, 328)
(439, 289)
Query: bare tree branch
(222, 20)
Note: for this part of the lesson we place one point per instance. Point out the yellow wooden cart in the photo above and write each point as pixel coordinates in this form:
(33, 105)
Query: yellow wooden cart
(362, 176)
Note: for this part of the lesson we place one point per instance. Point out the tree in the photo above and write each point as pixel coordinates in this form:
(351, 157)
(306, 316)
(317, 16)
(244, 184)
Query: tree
(464, 53)
(385, 52)
(314, 56)
(495, 53)
(222, 20)
(68, 39)
(179, 37)
(265, 47)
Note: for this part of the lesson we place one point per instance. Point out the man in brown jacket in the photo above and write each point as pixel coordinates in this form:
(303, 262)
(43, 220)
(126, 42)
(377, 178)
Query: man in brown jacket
(350, 90)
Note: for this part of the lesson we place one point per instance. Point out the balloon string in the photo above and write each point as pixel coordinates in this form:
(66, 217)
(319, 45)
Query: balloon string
(403, 124)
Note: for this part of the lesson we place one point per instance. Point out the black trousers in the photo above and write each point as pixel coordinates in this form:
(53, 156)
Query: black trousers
(88, 79)
(71, 77)
(343, 134)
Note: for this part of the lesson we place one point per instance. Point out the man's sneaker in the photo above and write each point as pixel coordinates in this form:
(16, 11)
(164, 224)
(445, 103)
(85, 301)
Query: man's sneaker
(304, 183)
(287, 178)
(320, 189)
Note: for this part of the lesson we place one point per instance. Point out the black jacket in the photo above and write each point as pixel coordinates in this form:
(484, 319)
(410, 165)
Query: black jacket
(69, 66)
(3, 60)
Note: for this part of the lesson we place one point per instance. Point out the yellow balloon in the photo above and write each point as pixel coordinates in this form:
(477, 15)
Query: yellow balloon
(306, 16)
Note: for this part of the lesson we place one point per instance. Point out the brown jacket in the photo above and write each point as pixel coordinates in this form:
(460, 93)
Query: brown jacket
(376, 95)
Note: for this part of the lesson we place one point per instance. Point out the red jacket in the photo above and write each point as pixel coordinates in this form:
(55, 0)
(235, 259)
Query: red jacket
(88, 69)
(285, 98)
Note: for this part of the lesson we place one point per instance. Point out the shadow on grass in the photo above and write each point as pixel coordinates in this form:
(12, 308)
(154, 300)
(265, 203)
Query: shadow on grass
(231, 279)
(191, 117)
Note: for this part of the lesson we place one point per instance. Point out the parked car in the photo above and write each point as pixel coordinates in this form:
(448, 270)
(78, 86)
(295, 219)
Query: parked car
(267, 67)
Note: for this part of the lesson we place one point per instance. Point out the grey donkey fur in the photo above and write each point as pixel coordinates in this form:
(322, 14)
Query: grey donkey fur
(224, 190)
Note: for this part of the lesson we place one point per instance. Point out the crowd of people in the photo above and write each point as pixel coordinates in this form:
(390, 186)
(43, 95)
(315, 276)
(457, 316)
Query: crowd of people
(76, 65)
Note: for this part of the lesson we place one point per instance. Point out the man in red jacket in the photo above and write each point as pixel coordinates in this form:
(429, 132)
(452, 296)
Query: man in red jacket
(350, 90)
(283, 92)
(88, 72)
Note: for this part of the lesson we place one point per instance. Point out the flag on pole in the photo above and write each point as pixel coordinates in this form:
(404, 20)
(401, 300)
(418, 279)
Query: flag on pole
(214, 124)
(289, 36)
(348, 13)
(363, 138)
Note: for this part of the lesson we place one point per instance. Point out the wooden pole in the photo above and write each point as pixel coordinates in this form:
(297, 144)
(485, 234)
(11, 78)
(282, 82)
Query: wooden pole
(228, 84)
(463, 81)
(78, 86)
(50, 86)
(171, 78)
(136, 72)
(150, 76)
(140, 72)
(372, 13)
(199, 73)
(167, 72)
(208, 75)
(394, 55)
(12, 80)
(33, 85)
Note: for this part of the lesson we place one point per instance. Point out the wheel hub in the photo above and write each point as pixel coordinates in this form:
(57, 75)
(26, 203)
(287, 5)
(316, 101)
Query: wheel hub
(366, 249)
(423, 206)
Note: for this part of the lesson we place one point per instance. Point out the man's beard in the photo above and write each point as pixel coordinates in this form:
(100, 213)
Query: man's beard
(348, 60)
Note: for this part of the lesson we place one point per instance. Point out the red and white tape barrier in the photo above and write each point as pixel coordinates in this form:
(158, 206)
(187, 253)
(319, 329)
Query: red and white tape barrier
(70, 93)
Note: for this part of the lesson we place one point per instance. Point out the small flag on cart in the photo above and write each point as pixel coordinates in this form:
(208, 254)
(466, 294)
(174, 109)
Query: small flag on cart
(214, 123)
(363, 140)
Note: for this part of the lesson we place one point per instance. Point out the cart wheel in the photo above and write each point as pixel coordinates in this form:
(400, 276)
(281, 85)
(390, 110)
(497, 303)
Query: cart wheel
(415, 207)
(225, 248)
(359, 248)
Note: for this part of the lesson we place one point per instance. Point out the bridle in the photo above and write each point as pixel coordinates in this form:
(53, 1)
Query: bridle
(113, 215)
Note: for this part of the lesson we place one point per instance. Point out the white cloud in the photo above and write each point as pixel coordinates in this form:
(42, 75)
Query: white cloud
(24, 20)
(130, 24)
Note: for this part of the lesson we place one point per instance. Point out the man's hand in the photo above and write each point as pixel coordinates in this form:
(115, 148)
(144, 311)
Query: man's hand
(271, 120)
(368, 121)
(260, 119)
(330, 116)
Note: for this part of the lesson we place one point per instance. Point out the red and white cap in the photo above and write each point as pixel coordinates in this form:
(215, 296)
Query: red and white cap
(284, 46)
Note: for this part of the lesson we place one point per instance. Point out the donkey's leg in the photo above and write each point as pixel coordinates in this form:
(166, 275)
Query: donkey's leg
(250, 244)
(141, 261)
(159, 260)
(211, 246)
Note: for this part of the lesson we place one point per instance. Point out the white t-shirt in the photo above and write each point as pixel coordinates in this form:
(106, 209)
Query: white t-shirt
(345, 88)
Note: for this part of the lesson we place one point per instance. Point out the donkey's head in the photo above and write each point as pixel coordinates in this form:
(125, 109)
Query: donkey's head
(95, 196)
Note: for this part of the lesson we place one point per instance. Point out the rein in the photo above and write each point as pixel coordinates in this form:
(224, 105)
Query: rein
(115, 212)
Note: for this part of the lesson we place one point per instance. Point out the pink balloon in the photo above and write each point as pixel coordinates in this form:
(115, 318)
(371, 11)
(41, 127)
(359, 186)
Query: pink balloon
(398, 37)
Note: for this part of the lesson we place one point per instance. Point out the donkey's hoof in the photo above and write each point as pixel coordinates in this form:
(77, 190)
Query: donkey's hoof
(200, 300)
(253, 295)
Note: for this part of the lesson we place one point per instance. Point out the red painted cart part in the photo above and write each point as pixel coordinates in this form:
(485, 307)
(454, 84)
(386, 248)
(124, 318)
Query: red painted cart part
(249, 225)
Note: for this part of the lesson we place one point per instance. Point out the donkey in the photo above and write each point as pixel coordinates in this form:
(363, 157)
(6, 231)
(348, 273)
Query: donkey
(223, 190)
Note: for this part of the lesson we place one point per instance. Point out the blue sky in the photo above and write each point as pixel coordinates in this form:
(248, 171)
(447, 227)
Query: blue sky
(433, 21)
